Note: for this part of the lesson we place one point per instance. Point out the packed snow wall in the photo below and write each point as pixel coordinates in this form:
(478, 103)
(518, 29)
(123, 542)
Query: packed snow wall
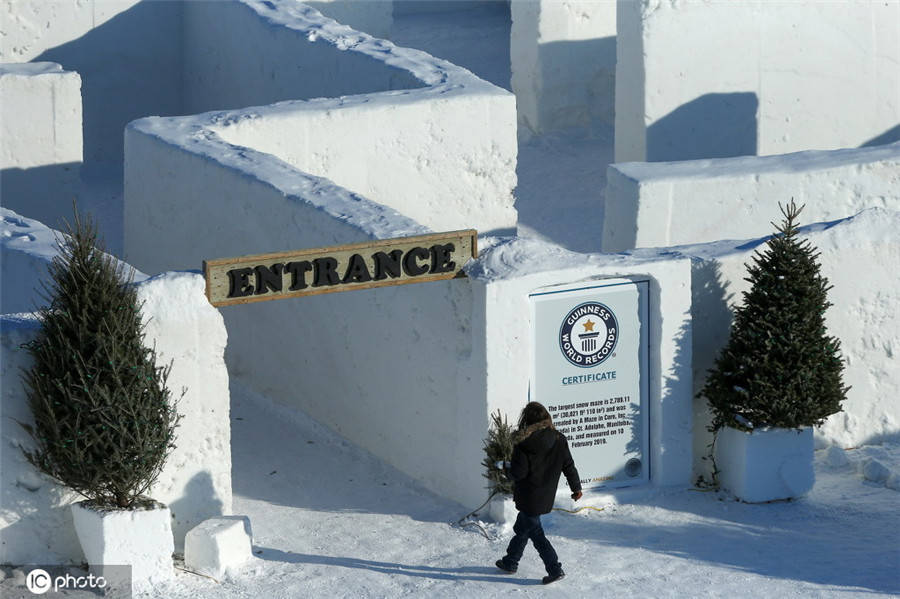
(386, 368)
(511, 269)
(657, 204)
(402, 115)
(563, 62)
(162, 64)
(142, 76)
(35, 520)
(40, 129)
(416, 366)
(449, 181)
(720, 79)
(859, 257)
(253, 181)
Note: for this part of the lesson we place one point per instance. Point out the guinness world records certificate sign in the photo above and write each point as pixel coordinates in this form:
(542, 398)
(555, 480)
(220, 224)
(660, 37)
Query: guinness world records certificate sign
(590, 371)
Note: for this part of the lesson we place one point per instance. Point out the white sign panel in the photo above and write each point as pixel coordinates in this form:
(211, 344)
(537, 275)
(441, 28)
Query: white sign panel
(590, 371)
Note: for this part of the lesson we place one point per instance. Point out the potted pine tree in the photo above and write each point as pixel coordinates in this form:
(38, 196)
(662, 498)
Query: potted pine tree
(779, 375)
(104, 421)
(498, 448)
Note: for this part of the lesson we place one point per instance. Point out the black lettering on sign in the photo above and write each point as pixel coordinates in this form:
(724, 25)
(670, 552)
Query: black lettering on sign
(387, 264)
(421, 258)
(325, 272)
(239, 282)
(441, 258)
(410, 261)
(357, 271)
(298, 272)
(268, 278)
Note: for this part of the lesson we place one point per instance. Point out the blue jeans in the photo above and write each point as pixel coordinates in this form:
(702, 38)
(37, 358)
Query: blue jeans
(529, 527)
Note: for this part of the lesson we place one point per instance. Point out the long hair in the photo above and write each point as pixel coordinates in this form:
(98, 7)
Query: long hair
(533, 413)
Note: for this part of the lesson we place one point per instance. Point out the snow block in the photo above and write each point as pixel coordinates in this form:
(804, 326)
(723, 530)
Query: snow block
(217, 544)
(874, 471)
(40, 118)
(836, 457)
(656, 204)
(893, 482)
(767, 464)
(140, 538)
(40, 125)
(754, 78)
(563, 62)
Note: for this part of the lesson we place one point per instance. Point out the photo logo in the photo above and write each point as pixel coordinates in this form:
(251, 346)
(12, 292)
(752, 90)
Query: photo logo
(38, 581)
(588, 334)
(46, 578)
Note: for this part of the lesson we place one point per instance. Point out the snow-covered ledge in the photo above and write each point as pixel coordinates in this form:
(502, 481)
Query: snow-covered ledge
(656, 204)
(187, 331)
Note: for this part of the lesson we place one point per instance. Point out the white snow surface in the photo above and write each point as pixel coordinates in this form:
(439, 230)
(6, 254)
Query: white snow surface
(330, 520)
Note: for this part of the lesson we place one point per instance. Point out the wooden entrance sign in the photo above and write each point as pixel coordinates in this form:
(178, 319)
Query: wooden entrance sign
(340, 268)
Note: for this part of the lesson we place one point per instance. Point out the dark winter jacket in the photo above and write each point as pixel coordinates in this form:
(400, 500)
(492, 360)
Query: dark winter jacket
(537, 461)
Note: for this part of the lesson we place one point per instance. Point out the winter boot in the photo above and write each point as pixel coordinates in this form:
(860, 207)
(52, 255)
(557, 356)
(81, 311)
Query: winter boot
(502, 565)
(553, 577)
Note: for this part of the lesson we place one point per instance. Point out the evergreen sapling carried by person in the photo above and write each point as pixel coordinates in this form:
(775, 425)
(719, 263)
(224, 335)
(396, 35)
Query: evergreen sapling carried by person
(539, 457)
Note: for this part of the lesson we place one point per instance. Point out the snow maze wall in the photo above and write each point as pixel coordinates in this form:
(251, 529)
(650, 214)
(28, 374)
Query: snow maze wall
(721, 79)
(348, 138)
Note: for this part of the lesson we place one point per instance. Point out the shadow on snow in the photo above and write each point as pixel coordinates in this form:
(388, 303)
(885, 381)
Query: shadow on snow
(465, 573)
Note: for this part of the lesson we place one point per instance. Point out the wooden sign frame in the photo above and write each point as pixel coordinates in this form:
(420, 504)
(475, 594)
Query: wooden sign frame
(283, 275)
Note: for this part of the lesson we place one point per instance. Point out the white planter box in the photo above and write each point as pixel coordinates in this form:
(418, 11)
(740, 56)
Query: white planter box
(140, 538)
(767, 464)
(502, 510)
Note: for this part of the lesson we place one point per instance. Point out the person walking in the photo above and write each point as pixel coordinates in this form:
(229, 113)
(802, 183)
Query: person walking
(538, 458)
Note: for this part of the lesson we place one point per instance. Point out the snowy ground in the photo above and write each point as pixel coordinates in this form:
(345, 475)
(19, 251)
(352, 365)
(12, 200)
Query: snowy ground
(331, 520)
